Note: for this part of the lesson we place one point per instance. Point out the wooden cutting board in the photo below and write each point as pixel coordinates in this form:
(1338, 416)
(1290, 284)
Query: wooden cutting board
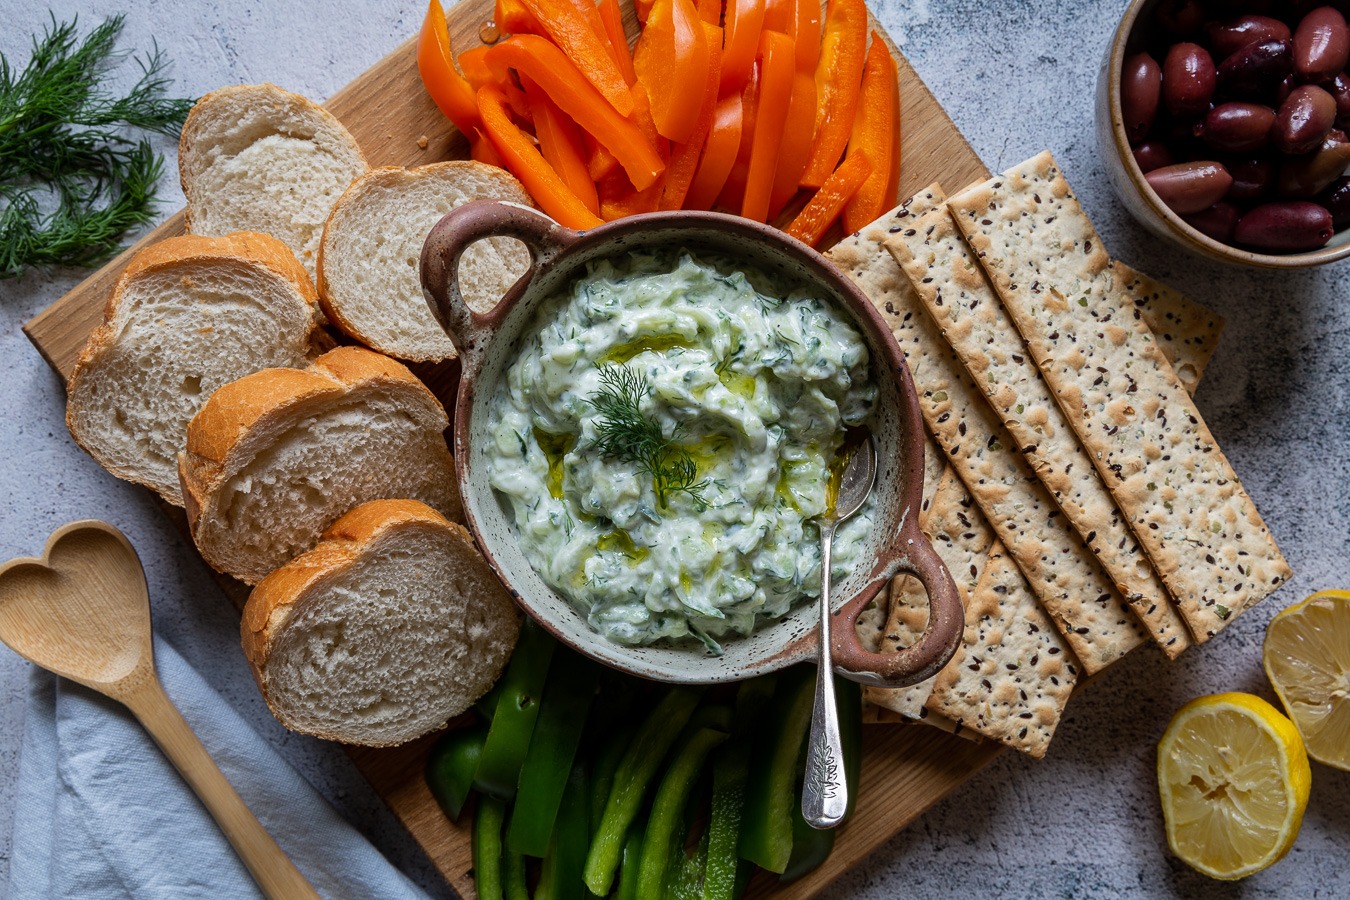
(906, 768)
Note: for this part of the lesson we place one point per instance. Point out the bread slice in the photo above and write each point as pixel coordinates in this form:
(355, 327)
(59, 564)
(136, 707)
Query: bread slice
(368, 259)
(188, 315)
(276, 457)
(389, 627)
(254, 157)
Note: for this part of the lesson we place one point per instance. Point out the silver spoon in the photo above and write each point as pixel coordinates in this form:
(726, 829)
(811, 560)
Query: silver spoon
(825, 791)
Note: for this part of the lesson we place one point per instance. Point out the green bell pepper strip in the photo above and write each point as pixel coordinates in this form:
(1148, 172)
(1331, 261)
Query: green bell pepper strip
(560, 877)
(635, 773)
(508, 739)
(848, 700)
(603, 766)
(663, 824)
(553, 749)
(810, 846)
(487, 848)
(514, 883)
(450, 767)
(730, 769)
(685, 880)
(766, 829)
(632, 860)
(486, 705)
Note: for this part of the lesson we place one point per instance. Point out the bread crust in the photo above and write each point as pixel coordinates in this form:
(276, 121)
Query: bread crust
(242, 409)
(299, 582)
(252, 247)
(507, 187)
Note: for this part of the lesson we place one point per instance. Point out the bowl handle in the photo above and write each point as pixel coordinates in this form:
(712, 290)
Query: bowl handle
(470, 329)
(946, 620)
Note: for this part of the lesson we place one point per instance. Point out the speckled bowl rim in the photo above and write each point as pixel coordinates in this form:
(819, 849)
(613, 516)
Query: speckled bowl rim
(1175, 224)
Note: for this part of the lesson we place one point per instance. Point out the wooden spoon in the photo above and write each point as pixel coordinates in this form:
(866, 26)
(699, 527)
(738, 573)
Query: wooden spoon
(83, 612)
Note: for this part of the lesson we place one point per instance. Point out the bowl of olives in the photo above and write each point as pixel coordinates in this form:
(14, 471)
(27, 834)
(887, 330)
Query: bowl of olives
(1224, 126)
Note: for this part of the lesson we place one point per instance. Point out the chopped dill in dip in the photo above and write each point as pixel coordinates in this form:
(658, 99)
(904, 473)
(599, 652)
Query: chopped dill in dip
(666, 434)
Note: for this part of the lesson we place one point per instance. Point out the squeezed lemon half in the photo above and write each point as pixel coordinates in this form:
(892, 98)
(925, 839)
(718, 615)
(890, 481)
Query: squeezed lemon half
(1234, 779)
(1307, 659)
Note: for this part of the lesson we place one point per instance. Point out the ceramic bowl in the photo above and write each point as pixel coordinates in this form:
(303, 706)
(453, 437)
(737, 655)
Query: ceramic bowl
(1135, 32)
(489, 341)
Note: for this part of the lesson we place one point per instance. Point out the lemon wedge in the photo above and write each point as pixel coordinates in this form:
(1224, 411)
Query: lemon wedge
(1307, 657)
(1234, 781)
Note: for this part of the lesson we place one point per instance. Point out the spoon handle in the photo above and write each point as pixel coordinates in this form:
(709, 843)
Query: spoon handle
(825, 790)
(269, 865)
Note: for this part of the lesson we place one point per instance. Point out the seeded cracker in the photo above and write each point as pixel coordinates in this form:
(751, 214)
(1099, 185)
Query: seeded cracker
(951, 285)
(1015, 674)
(1080, 598)
(863, 259)
(1187, 333)
(1145, 435)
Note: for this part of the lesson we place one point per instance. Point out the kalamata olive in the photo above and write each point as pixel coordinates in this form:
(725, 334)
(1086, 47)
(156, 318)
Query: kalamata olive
(1291, 226)
(1284, 89)
(1140, 87)
(1227, 38)
(1238, 127)
(1188, 79)
(1337, 201)
(1190, 187)
(1252, 178)
(1305, 117)
(1181, 18)
(1321, 44)
(1339, 88)
(1218, 222)
(1152, 155)
(1308, 175)
(1255, 71)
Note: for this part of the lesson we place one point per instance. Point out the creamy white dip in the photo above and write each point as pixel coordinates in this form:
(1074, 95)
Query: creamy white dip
(754, 380)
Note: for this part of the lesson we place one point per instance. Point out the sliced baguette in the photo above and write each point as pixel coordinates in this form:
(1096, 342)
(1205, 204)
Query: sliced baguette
(368, 258)
(255, 157)
(188, 315)
(276, 457)
(392, 625)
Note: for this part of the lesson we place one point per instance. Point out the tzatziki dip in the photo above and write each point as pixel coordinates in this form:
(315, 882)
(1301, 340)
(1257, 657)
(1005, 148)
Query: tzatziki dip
(665, 437)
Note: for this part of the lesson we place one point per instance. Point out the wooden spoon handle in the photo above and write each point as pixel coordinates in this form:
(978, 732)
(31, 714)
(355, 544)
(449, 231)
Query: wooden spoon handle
(269, 865)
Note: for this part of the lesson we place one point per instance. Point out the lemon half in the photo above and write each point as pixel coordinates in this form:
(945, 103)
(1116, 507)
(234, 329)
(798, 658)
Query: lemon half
(1307, 658)
(1234, 778)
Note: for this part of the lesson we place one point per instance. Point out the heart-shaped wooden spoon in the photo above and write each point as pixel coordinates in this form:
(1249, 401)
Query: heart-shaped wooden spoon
(83, 612)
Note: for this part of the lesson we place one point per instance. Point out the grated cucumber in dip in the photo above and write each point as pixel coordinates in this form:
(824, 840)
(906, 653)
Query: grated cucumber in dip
(687, 515)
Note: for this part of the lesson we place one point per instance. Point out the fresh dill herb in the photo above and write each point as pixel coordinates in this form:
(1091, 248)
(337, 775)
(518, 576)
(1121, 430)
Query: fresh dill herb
(71, 179)
(626, 434)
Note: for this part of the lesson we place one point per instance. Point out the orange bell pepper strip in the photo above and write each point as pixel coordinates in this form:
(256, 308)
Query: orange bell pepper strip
(560, 143)
(618, 198)
(550, 68)
(744, 21)
(453, 95)
(643, 8)
(482, 151)
(819, 214)
(876, 133)
(796, 147)
(577, 30)
(838, 78)
(719, 154)
(710, 11)
(525, 162)
(778, 66)
(807, 34)
(780, 16)
(684, 157)
(513, 17)
(600, 163)
(475, 68)
(670, 58)
(612, 19)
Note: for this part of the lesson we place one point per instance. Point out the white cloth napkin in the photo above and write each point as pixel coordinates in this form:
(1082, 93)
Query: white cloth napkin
(100, 812)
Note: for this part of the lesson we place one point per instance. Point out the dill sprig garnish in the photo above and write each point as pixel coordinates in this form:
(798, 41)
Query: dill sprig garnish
(72, 182)
(626, 434)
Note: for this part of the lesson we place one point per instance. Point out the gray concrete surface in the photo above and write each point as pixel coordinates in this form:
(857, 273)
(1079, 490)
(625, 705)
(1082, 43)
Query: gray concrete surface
(1016, 78)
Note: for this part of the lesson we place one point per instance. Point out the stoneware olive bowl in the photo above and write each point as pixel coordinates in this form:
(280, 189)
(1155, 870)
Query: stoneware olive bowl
(1135, 33)
(490, 340)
